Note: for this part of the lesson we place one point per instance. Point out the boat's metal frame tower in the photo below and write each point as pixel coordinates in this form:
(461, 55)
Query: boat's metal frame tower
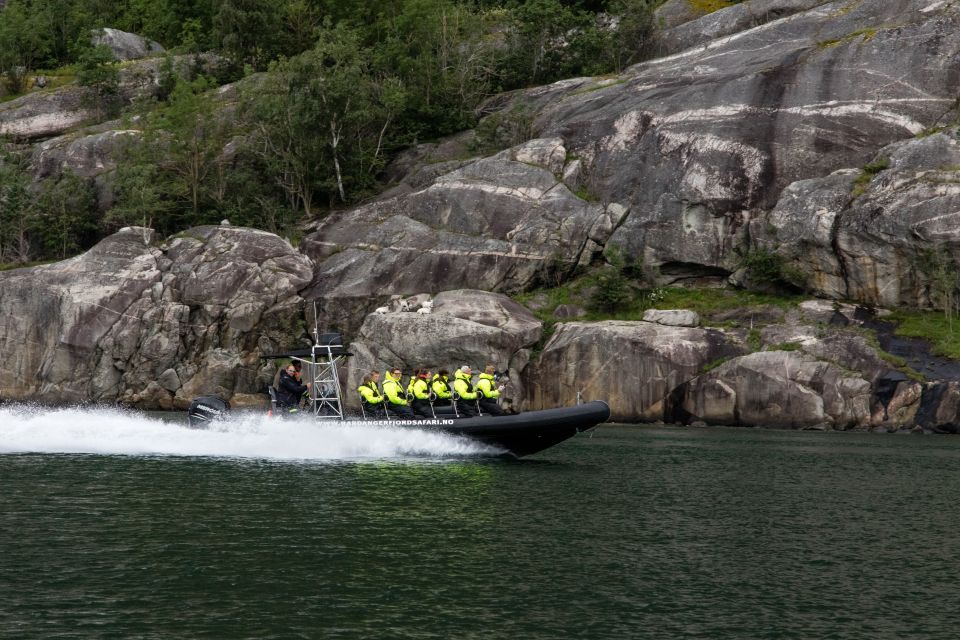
(319, 365)
(322, 370)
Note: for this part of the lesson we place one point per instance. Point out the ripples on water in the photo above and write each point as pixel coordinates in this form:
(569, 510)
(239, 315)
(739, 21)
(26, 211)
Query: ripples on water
(118, 525)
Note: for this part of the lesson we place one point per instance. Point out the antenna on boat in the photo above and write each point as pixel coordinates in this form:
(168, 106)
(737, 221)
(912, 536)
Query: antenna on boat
(316, 327)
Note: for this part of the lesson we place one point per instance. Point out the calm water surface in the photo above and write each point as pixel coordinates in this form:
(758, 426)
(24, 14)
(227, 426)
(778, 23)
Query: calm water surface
(626, 533)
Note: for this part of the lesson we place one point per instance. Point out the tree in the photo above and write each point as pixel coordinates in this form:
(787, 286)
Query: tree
(142, 195)
(321, 119)
(299, 21)
(630, 42)
(99, 75)
(443, 52)
(66, 216)
(249, 31)
(539, 43)
(17, 210)
(196, 137)
(23, 44)
(172, 174)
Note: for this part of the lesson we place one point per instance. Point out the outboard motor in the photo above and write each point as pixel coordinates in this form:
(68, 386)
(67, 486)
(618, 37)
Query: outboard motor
(206, 409)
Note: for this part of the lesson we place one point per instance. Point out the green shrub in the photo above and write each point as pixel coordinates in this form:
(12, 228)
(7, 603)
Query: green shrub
(766, 267)
(866, 176)
(612, 292)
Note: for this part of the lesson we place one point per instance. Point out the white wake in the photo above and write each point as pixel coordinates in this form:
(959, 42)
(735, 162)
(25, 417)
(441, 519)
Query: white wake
(116, 432)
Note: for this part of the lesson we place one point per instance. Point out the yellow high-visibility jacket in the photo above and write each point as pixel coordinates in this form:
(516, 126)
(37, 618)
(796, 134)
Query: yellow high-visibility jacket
(486, 386)
(393, 390)
(463, 386)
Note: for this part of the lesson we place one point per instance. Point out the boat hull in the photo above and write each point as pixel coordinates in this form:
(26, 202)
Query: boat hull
(527, 433)
(520, 434)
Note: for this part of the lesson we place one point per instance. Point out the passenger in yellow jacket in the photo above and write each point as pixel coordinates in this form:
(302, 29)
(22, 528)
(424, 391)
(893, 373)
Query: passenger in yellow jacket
(370, 397)
(419, 392)
(463, 385)
(441, 388)
(489, 392)
(396, 404)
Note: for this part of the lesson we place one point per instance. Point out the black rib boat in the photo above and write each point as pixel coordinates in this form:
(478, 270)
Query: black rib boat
(519, 434)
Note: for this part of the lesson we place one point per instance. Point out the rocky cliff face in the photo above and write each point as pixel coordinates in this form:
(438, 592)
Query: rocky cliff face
(887, 236)
(696, 144)
(151, 324)
(503, 223)
(814, 130)
(676, 157)
(683, 26)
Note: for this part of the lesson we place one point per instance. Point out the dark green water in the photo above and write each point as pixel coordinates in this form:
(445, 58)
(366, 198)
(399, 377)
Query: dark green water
(630, 533)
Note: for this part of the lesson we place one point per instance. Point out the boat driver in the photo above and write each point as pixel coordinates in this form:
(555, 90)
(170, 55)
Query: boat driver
(289, 390)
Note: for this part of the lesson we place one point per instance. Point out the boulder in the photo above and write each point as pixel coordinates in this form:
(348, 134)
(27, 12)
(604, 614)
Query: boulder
(150, 323)
(672, 317)
(125, 46)
(44, 114)
(86, 154)
(939, 409)
(896, 402)
(783, 389)
(828, 312)
(91, 153)
(498, 224)
(465, 327)
(632, 366)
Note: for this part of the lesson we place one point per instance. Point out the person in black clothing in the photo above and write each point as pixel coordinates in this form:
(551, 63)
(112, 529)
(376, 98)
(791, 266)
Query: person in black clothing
(289, 390)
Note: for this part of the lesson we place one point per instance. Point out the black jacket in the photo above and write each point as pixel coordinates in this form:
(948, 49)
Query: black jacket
(289, 390)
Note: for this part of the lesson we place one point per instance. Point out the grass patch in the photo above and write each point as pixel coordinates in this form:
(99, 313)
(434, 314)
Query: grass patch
(868, 34)
(785, 346)
(56, 78)
(10, 266)
(705, 302)
(710, 366)
(603, 84)
(585, 194)
(847, 9)
(709, 6)
(929, 131)
(943, 333)
(870, 170)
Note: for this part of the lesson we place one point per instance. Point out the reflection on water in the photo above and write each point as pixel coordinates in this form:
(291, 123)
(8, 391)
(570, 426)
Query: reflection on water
(631, 533)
